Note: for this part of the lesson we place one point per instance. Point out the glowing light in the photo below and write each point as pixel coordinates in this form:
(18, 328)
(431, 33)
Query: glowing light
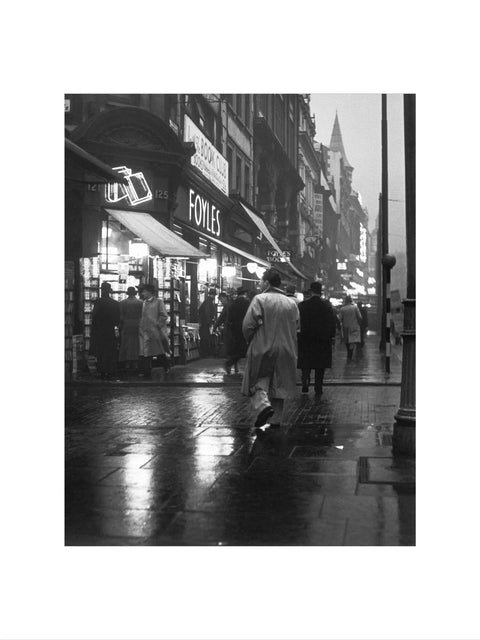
(228, 271)
(252, 267)
(106, 232)
(260, 271)
(138, 249)
(136, 190)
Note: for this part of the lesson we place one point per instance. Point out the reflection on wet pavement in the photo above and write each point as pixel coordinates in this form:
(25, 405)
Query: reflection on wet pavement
(185, 466)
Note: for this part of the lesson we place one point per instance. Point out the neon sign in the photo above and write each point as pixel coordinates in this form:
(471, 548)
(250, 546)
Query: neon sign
(136, 189)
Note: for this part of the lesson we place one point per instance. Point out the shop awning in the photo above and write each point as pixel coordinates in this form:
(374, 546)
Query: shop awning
(249, 256)
(92, 163)
(263, 229)
(156, 235)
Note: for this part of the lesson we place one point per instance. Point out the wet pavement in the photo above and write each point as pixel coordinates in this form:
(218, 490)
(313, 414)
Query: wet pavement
(182, 465)
(368, 366)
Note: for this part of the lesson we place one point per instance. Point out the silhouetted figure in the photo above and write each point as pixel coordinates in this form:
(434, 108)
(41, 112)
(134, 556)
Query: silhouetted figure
(103, 345)
(207, 315)
(363, 323)
(130, 316)
(350, 319)
(235, 344)
(317, 329)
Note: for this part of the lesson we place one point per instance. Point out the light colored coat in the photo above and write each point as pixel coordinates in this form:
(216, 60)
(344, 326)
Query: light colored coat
(350, 318)
(270, 328)
(153, 325)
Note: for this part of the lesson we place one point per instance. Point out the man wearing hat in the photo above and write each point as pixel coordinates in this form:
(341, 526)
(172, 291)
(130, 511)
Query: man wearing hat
(207, 314)
(317, 328)
(235, 345)
(130, 316)
(103, 345)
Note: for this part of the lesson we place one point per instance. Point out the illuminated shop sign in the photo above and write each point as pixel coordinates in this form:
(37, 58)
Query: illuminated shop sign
(135, 191)
(278, 256)
(207, 158)
(363, 243)
(203, 213)
(318, 212)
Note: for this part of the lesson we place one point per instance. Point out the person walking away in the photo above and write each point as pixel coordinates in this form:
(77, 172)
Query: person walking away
(291, 290)
(350, 320)
(130, 316)
(207, 315)
(235, 345)
(219, 324)
(153, 340)
(270, 329)
(364, 323)
(317, 329)
(105, 317)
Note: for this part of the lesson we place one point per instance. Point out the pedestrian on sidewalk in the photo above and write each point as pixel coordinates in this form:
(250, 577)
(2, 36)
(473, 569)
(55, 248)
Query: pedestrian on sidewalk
(130, 316)
(104, 345)
(235, 344)
(270, 329)
(350, 320)
(207, 315)
(363, 323)
(317, 330)
(153, 339)
(219, 324)
(290, 290)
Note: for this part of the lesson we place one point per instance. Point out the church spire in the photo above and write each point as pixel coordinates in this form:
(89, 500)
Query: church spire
(336, 142)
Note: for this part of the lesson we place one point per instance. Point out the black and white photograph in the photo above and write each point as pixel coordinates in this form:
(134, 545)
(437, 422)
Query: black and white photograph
(240, 319)
(226, 413)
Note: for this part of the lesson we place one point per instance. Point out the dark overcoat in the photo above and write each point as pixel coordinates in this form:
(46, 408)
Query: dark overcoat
(317, 328)
(235, 343)
(103, 343)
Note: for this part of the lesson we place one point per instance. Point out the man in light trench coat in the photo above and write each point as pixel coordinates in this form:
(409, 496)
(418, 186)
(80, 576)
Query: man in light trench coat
(270, 328)
(153, 340)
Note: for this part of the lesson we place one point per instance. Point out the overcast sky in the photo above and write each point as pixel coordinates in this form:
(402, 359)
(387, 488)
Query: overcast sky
(360, 116)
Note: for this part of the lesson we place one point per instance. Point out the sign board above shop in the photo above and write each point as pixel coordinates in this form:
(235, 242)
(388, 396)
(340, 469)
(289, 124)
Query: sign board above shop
(207, 159)
(199, 210)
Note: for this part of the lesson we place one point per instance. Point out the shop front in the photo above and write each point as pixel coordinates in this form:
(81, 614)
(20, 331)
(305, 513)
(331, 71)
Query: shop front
(120, 232)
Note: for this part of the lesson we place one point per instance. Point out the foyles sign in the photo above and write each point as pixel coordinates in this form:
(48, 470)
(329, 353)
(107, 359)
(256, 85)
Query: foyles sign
(207, 158)
(203, 213)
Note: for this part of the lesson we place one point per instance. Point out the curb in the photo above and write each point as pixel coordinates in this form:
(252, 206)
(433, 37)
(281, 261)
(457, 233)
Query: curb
(153, 383)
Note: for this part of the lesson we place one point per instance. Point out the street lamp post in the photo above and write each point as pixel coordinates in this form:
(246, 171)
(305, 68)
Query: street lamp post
(405, 419)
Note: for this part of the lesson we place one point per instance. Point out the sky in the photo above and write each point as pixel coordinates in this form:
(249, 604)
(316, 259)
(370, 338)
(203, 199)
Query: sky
(359, 115)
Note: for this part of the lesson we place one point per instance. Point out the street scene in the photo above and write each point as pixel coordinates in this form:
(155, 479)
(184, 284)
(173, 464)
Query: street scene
(239, 321)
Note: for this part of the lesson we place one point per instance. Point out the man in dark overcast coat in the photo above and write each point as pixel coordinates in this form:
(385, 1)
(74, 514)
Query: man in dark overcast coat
(317, 328)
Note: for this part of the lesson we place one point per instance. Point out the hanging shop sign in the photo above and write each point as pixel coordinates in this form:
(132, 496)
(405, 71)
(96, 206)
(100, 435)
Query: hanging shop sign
(278, 256)
(135, 191)
(363, 243)
(318, 212)
(207, 158)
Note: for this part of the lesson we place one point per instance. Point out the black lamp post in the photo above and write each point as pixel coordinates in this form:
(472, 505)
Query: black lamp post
(405, 419)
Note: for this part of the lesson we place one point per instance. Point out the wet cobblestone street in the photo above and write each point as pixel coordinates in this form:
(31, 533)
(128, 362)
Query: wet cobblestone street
(184, 466)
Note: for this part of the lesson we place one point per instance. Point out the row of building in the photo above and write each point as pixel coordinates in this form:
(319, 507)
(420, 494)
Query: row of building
(194, 192)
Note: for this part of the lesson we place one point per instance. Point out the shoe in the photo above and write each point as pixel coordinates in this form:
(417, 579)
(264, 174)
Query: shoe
(227, 370)
(318, 394)
(236, 369)
(263, 416)
(305, 388)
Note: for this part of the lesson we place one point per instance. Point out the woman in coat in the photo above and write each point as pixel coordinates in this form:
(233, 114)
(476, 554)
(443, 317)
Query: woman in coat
(350, 320)
(270, 328)
(153, 327)
(103, 345)
(130, 316)
(317, 328)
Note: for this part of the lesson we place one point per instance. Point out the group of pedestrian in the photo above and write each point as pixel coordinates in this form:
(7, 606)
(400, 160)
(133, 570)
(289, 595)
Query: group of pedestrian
(284, 335)
(131, 332)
